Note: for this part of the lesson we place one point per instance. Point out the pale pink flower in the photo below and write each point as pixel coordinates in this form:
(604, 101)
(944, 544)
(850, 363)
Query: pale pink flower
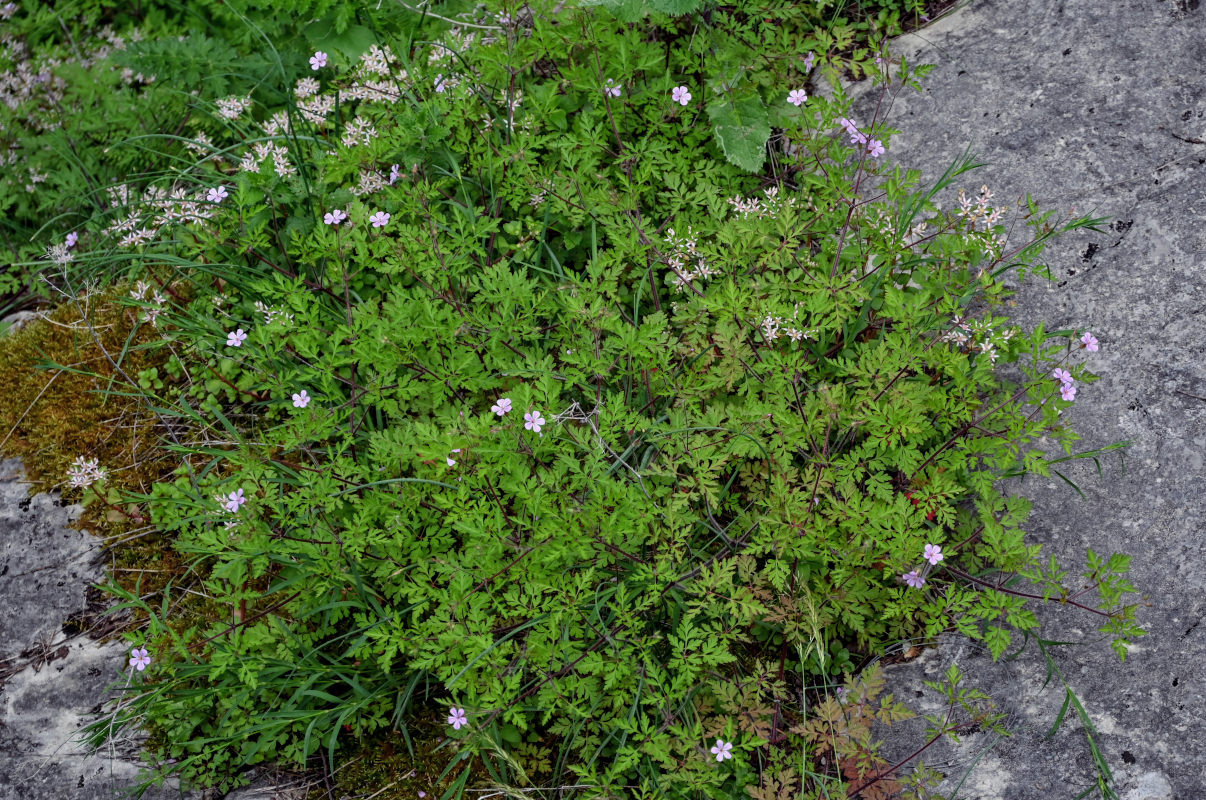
(932, 554)
(457, 718)
(808, 61)
(681, 95)
(334, 217)
(1090, 342)
(217, 194)
(1062, 375)
(722, 750)
(797, 97)
(914, 579)
(318, 60)
(140, 660)
(236, 338)
(502, 406)
(875, 148)
(532, 421)
(72, 238)
(612, 88)
(301, 399)
(380, 219)
(394, 173)
(1068, 392)
(234, 501)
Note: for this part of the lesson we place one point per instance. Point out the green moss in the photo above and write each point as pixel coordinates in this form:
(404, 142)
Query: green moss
(67, 395)
(383, 764)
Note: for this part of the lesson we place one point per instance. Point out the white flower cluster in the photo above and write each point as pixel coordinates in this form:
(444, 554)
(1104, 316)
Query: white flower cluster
(370, 181)
(980, 209)
(155, 301)
(760, 207)
(358, 132)
(271, 314)
(981, 335)
(685, 261)
(777, 327)
(278, 154)
(156, 208)
(84, 472)
(233, 107)
(316, 109)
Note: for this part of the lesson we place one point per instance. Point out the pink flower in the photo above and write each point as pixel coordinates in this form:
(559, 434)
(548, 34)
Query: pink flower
(217, 195)
(612, 88)
(848, 125)
(681, 95)
(394, 172)
(1062, 375)
(140, 660)
(913, 579)
(236, 338)
(72, 238)
(532, 421)
(457, 718)
(301, 399)
(380, 219)
(808, 61)
(932, 554)
(1067, 391)
(334, 217)
(502, 406)
(797, 97)
(722, 750)
(1090, 342)
(318, 60)
(452, 461)
(875, 148)
(234, 500)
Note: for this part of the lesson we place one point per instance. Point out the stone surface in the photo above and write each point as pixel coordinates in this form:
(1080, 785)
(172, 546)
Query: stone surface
(53, 675)
(1100, 107)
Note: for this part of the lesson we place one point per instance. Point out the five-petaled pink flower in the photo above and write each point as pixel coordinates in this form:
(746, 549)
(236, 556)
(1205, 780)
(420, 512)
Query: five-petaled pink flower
(334, 217)
(612, 89)
(797, 97)
(1067, 391)
(722, 750)
(457, 718)
(1062, 375)
(380, 219)
(139, 658)
(234, 500)
(681, 95)
(932, 554)
(502, 406)
(914, 579)
(301, 399)
(1090, 342)
(875, 148)
(318, 60)
(236, 338)
(532, 421)
(217, 194)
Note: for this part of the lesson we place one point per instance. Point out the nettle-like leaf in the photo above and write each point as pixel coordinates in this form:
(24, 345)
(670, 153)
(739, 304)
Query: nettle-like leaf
(742, 129)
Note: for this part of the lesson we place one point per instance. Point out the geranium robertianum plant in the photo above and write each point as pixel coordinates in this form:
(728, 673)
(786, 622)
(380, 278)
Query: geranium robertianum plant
(522, 397)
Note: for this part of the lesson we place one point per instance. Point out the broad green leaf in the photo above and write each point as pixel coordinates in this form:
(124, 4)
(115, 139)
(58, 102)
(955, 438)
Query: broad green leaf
(742, 130)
